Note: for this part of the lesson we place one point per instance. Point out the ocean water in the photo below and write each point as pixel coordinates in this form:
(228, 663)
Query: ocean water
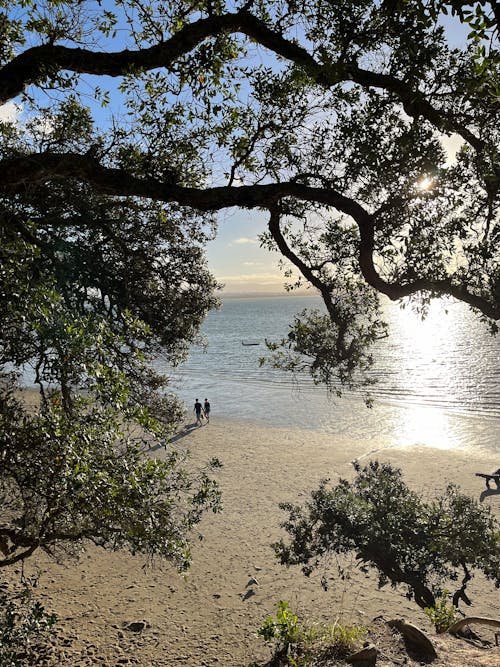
(437, 380)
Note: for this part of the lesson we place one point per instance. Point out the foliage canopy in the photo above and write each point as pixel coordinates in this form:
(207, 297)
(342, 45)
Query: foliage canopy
(425, 546)
(139, 121)
(90, 289)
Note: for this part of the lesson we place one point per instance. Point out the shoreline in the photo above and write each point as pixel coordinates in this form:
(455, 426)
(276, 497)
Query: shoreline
(211, 616)
(387, 424)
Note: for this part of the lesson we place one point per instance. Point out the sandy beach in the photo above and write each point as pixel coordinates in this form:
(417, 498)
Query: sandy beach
(210, 616)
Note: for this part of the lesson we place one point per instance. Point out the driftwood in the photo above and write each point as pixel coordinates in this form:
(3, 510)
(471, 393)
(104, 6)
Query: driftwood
(470, 620)
(415, 640)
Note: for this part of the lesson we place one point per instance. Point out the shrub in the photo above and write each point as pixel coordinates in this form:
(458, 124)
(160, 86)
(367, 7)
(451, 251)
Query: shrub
(423, 545)
(443, 614)
(297, 642)
(23, 623)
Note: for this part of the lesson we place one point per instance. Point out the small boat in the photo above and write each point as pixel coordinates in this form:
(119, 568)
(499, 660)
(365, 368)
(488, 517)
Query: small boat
(250, 342)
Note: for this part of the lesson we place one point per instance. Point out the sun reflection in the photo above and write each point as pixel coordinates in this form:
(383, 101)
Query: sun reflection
(428, 375)
(424, 340)
(423, 426)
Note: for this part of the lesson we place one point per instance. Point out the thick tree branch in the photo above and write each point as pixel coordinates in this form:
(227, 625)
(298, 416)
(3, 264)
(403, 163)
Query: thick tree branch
(386, 563)
(16, 558)
(397, 291)
(18, 173)
(460, 594)
(306, 271)
(36, 64)
(44, 541)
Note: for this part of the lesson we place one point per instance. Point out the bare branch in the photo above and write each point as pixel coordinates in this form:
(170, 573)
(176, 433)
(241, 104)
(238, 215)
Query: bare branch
(470, 620)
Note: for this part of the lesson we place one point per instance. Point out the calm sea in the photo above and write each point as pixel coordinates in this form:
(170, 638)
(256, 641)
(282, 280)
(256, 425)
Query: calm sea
(438, 380)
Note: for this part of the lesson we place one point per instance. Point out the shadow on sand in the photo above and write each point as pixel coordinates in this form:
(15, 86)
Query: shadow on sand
(489, 492)
(186, 430)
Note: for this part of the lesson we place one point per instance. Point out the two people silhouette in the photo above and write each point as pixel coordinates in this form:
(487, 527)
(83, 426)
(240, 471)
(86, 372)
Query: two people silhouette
(202, 411)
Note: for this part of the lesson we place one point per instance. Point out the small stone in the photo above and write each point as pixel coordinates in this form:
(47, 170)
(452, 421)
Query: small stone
(136, 626)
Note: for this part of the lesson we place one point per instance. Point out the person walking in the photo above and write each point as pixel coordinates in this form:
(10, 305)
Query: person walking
(197, 410)
(206, 410)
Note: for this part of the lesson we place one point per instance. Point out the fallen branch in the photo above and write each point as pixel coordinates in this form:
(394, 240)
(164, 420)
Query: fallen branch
(469, 620)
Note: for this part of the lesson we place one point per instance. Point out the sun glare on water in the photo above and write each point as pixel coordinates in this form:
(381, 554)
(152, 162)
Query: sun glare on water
(425, 426)
(427, 365)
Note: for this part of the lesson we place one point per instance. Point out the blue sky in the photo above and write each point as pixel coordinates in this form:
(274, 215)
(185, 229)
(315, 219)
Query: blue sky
(236, 258)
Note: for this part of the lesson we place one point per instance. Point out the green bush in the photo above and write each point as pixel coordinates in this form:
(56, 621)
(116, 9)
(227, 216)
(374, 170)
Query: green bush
(23, 624)
(423, 545)
(296, 642)
(443, 614)
(285, 628)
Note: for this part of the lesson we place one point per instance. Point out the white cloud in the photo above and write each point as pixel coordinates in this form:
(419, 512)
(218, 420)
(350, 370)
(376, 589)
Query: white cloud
(256, 283)
(252, 263)
(9, 112)
(243, 240)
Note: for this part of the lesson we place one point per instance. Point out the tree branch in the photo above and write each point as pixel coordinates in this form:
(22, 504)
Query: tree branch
(259, 132)
(307, 272)
(38, 63)
(460, 593)
(17, 173)
(397, 291)
(470, 620)
(4, 562)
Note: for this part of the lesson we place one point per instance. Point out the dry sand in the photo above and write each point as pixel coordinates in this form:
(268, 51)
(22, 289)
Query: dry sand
(210, 617)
